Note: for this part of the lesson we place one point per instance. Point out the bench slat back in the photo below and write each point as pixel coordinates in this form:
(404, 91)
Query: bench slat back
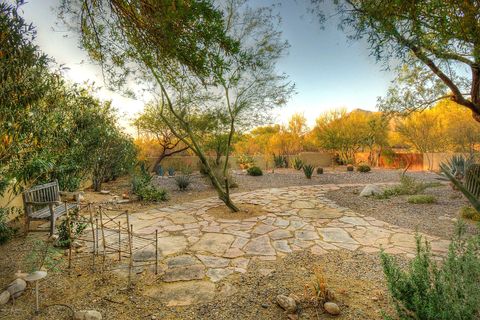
(48, 192)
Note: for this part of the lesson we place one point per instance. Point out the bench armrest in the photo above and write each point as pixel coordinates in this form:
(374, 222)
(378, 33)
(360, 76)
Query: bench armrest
(42, 202)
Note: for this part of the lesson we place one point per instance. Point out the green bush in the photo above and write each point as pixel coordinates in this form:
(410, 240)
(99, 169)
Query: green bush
(408, 186)
(280, 161)
(151, 193)
(308, 170)
(254, 171)
(363, 168)
(143, 188)
(297, 163)
(70, 228)
(422, 199)
(470, 213)
(183, 181)
(245, 161)
(6, 232)
(430, 291)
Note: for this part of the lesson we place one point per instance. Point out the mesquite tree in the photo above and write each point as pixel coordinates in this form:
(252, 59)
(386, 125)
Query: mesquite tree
(197, 58)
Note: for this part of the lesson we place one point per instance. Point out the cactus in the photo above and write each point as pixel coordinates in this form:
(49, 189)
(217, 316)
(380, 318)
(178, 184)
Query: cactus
(319, 170)
(471, 187)
(308, 170)
(458, 166)
(171, 171)
(297, 163)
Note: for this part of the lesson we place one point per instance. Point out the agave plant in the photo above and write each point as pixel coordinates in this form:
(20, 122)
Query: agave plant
(471, 187)
(297, 163)
(308, 170)
(458, 165)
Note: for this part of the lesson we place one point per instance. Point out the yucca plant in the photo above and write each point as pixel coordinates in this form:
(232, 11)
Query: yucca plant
(280, 161)
(458, 165)
(183, 181)
(308, 170)
(297, 163)
(471, 187)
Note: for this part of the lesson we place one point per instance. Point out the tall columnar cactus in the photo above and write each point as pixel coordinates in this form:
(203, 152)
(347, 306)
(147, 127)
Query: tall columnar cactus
(471, 187)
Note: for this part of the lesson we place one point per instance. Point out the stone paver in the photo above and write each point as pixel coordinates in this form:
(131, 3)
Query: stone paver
(199, 251)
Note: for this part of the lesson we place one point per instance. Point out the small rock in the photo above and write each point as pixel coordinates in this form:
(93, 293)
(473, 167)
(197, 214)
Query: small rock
(20, 274)
(331, 308)
(374, 299)
(370, 190)
(287, 303)
(292, 316)
(16, 287)
(87, 315)
(265, 305)
(4, 297)
(105, 191)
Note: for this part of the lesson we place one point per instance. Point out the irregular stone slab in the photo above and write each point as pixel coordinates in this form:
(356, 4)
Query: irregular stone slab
(372, 236)
(213, 262)
(216, 243)
(335, 235)
(403, 240)
(260, 246)
(183, 293)
(322, 213)
(171, 245)
(233, 253)
(87, 315)
(218, 274)
(356, 221)
(263, 228)
(182, 261)
(181, 218)
(195, 272)
(239, 242)
(144, 255)
(306, 235)
(318, 251)
(280, 234)
(282, 246)
(240, 263)
(301, 204)
(282, 223)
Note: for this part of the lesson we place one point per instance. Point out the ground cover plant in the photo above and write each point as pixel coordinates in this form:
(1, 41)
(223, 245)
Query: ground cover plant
(254, 171)
(421, 199)
(408, 186)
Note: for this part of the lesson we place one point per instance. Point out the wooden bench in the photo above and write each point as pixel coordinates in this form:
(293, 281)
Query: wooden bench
(43, 202)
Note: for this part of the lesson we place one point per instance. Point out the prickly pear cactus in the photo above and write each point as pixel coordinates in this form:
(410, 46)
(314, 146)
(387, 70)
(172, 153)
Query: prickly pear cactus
(472, 180)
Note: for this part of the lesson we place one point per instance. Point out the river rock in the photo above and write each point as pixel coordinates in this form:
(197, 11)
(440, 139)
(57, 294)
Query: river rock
(287, 303)
(4, 297)
(87, 315)
(371, 190)
(331, 308)
(16, 287)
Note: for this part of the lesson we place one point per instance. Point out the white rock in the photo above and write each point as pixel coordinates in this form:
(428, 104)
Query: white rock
(370, 190)
(4, 297)
(16, 287)
(87, 315)
(332, 308)
(287, 303)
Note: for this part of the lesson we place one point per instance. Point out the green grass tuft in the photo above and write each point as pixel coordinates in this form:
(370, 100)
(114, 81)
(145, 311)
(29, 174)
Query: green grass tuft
(422, 199)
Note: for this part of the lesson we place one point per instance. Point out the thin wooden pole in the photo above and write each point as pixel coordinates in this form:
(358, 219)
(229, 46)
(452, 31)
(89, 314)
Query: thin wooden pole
(103, 238)
(93, 236)
(119, 242)
(156, 251)
(70, 243)
(130, 264)
(96, 233)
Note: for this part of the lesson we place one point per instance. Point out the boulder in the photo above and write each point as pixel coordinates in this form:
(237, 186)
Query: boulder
(331, 308)
(16, 287)
(4, 297)
(371, 190)
(87, 315)
(287, 303)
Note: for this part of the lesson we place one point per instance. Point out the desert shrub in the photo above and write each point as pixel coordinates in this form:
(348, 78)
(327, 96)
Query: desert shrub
(319, 170)
(171, 171)
(470, 213)
(408, 186)
(143, 188)
(297, 163)
(350, 168)
(280, 161)
(427, 290)
(422, 199)
(151, 193)
(183, 181)
(363, 168)
(319, 288)
(254, 171)
(70, 228)
(308, 170)
(6, 232)
(186, 169)
(245, 161)
(160, 171)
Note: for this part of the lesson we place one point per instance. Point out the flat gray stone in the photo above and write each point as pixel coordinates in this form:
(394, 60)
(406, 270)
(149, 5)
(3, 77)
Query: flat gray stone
(263, 228)
(322, 213)
(306, 235)
(218, 274)
(181, 218)
(280, 234)
(282, 246)
(216, 243)
(194, 272)
(260, 246)
(183, 293)
(213, 262)
(335, 235)
(182, 261)
(302, 204)
(172, 245)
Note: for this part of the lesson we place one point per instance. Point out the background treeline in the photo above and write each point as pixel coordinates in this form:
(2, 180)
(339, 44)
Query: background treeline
(51, 129)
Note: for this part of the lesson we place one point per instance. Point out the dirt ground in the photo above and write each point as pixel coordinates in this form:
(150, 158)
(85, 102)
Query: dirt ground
(356, 278)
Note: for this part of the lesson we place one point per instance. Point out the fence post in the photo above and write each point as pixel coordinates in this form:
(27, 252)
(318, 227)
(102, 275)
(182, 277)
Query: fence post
(156, 251)
(93, 236)
(119, 242)
(70, 240)
(103, 238)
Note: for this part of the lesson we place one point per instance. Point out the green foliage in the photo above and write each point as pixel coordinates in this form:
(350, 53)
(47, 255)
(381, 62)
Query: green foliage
(280, 161)
(71, 228)
(422, 199)
(171, 171)
(245, 161)
(183, 181)
(143, 188)
(431, 291)
(363, 168)
(319, 170)
(6, 232)
(470, 213)
(254, 171)
(151, 193)
(308, 170)
(297, 163)
(408, 186)
(458, 166)
(42, 255)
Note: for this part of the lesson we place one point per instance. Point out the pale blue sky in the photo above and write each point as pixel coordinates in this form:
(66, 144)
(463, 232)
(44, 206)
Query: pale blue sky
(329, 71)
